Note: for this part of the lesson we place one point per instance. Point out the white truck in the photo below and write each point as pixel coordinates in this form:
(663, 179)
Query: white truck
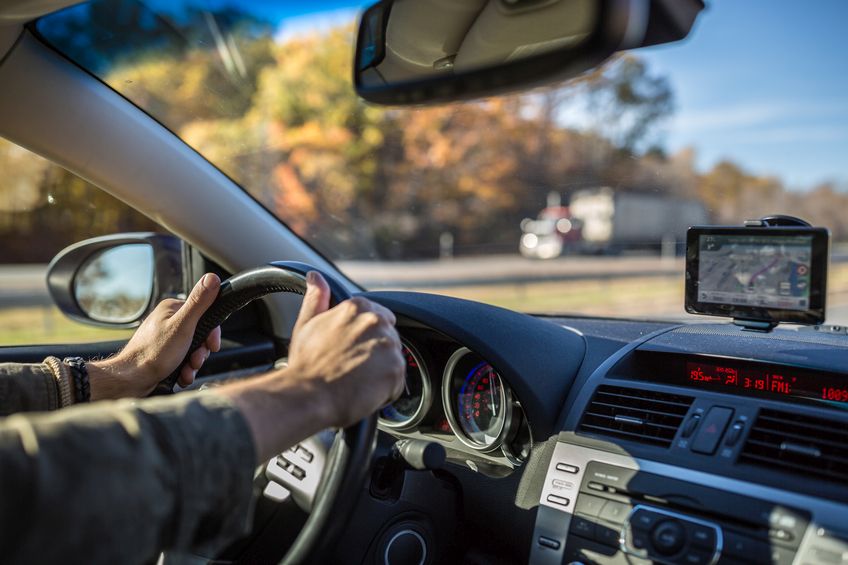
(613, 221)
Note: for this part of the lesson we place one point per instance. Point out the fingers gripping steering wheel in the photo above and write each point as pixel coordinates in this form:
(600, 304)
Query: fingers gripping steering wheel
(348, 460)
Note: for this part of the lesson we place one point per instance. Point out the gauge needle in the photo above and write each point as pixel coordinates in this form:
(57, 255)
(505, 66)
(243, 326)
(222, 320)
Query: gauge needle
(492, 394)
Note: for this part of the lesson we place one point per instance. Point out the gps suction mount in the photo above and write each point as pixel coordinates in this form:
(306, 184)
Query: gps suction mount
(777, 220)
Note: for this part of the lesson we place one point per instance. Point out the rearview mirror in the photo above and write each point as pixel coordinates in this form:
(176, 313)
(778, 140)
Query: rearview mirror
(116, 280)
(422, 51)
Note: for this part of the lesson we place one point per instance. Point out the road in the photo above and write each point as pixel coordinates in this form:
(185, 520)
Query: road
(24, 286)
(505, 269)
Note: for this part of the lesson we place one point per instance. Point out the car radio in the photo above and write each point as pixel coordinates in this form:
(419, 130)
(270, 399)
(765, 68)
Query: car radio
(599, 506)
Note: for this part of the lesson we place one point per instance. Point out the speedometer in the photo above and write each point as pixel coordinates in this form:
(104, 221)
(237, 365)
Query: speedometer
(414, 401)
(478, 405)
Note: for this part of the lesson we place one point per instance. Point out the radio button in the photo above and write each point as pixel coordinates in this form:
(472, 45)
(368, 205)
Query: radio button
(559, 500)
(590, 505)
(615, 511)
(745, 548)
(668, 537)
(643, 519)
(607, 534)
(702, 536)
(696, 556)
(566, 468)
(639, 539)
(583, 527)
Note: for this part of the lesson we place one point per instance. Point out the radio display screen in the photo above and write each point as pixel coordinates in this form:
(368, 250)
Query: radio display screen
(780, 382)
(743, 377)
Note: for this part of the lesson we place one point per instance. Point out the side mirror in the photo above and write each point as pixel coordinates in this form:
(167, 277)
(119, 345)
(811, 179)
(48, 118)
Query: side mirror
(422, 51)
(116, 280)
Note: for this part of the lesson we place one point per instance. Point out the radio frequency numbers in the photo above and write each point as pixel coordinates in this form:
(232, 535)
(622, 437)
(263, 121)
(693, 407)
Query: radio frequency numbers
(837, 394)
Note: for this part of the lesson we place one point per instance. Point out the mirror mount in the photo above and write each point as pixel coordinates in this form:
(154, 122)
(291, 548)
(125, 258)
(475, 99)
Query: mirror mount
(168, 280)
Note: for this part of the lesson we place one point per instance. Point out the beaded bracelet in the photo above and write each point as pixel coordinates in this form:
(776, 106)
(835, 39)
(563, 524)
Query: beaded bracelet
(62, 374)
(82, 388)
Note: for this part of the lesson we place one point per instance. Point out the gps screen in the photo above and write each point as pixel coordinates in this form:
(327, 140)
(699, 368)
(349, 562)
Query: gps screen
(754, 270)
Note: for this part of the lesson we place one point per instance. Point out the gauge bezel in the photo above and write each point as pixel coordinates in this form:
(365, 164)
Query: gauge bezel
(447, 404)
(426, 395)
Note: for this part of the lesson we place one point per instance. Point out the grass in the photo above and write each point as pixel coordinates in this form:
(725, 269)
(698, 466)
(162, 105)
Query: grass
(46, 325)
(631, 297)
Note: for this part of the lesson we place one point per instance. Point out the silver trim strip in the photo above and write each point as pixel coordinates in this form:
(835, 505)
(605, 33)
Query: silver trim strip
(403, 533)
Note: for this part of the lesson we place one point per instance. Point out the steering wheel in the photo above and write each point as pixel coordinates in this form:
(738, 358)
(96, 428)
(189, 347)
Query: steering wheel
(334, 477)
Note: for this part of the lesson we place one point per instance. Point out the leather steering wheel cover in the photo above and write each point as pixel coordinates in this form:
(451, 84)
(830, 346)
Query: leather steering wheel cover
(349, 459)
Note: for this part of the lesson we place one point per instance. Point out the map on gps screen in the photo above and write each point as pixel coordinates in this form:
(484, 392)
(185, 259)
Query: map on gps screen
(750, 270)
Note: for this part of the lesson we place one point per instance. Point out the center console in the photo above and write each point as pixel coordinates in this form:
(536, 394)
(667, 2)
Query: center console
(686, 449)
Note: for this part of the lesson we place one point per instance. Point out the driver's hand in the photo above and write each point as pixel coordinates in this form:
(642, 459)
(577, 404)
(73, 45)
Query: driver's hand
(158, 347)
(353, 349)
(344, 364)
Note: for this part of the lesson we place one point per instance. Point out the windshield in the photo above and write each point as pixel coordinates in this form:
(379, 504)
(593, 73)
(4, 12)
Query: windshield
(569, 199)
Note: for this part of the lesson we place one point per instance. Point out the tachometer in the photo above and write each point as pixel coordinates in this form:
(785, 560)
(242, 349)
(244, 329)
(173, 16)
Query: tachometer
(415, 400)
(477, 403)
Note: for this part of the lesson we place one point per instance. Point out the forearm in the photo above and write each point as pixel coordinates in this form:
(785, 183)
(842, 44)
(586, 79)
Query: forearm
(34, 387)
(280, 410)
(116, 483)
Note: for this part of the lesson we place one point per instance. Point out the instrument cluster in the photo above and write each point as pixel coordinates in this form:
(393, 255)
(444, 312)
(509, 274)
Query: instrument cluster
(452, 393)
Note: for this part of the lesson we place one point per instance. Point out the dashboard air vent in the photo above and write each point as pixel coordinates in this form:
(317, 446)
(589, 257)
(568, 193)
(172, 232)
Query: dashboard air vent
(799, 444)
(644, 416)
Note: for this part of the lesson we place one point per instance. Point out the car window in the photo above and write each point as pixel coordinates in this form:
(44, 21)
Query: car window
(572, 198)
(43, 209)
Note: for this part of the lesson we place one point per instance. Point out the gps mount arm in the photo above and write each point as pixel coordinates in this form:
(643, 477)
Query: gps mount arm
(777, 220)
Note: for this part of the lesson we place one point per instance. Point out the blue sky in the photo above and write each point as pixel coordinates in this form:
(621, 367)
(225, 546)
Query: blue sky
(763, 83)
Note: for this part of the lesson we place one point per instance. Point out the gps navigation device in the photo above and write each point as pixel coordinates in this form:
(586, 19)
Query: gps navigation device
(761, 275)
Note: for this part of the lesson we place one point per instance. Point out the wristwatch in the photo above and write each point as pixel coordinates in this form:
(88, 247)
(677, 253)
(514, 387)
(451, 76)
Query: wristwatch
(82, 389)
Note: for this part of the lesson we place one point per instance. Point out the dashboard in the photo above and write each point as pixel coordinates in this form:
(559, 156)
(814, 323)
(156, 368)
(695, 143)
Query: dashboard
(597, 441)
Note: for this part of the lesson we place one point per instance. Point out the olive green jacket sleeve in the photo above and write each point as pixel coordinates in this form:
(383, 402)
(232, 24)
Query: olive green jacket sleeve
(117, 482)
(27, 388)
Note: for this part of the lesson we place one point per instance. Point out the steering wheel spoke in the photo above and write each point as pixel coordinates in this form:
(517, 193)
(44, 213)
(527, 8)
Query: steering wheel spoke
(300, 470)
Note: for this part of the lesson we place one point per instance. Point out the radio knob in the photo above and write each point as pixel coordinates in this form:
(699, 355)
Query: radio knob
(668, 537)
